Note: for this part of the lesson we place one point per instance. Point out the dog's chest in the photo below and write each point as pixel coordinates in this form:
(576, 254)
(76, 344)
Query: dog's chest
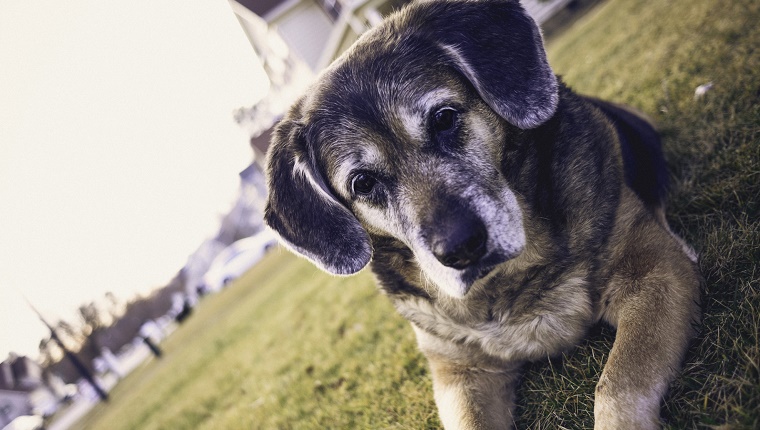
(525, 331)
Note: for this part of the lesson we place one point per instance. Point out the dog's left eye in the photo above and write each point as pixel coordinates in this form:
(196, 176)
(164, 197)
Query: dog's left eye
(444, 120)
(363, 184)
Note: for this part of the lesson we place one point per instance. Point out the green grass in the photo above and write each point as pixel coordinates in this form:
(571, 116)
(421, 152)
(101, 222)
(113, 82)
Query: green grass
(290, 347)
(283, 347)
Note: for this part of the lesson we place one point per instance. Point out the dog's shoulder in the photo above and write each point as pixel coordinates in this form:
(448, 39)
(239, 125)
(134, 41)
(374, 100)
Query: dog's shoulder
(645, 168)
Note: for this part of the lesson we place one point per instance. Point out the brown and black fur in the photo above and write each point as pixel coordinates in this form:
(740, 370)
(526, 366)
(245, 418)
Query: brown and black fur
(502, 234)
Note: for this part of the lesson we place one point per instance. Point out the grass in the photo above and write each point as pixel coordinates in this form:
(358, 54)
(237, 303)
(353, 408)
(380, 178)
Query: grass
(266, 353)
(288, 347)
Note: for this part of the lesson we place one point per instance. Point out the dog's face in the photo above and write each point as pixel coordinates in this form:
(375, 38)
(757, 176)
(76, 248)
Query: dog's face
(422, 166)
(404, 137)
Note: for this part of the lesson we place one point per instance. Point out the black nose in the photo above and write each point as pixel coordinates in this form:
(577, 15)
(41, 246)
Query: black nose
(460, 242)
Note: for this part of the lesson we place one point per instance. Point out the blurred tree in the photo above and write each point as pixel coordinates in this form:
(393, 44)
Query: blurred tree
(71, 336)
(49, 351)
(116, 306)
(93, 317)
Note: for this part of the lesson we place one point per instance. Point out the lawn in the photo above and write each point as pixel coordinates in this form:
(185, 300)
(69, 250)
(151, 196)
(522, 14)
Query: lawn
(287, 346)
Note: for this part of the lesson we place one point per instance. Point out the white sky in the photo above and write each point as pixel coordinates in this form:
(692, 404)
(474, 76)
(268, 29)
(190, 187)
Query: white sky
(118, 149)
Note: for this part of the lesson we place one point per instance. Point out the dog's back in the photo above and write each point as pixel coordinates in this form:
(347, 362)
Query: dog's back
(645, 168)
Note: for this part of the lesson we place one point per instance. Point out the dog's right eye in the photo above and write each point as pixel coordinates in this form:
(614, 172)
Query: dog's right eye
(363, 184)
(444, 120)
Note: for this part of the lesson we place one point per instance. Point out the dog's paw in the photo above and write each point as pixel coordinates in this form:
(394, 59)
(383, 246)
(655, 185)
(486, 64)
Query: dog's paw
(618, 410)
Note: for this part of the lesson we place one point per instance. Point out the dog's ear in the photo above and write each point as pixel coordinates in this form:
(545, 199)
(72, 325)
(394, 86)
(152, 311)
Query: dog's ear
(303, 210)
(499, 49)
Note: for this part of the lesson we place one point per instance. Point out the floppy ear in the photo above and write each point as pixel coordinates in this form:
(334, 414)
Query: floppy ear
(499, 49)
(303, 211)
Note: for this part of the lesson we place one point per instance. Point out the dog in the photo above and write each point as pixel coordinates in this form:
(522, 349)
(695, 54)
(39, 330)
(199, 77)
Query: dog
(501, 213)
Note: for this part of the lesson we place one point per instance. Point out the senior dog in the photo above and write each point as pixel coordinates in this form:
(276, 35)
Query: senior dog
(501, 213)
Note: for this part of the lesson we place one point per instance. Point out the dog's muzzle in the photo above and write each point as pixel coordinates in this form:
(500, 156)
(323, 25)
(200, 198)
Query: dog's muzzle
(458, 241)
(457, 236)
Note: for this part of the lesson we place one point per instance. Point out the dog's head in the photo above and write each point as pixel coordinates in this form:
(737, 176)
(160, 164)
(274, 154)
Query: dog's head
(403, 137)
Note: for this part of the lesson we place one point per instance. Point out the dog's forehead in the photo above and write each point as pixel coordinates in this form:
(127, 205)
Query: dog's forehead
(380, 100)
(380, 130)
(378, 95)
(388, 68)
(369, 89)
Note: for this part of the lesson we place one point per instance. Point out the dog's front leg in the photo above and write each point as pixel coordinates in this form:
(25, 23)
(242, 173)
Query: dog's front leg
(472, 391)
(473, 398)
(654, 309)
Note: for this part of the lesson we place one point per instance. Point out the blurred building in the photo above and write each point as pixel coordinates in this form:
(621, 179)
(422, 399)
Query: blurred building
(245, 219)
(318, 30)
(25, 389)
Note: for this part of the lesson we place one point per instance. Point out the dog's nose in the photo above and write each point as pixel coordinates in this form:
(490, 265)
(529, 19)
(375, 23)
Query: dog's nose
(460, 244)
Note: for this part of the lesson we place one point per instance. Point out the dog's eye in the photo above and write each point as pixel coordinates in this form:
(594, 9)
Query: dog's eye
(363, 183)
(444, 120)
